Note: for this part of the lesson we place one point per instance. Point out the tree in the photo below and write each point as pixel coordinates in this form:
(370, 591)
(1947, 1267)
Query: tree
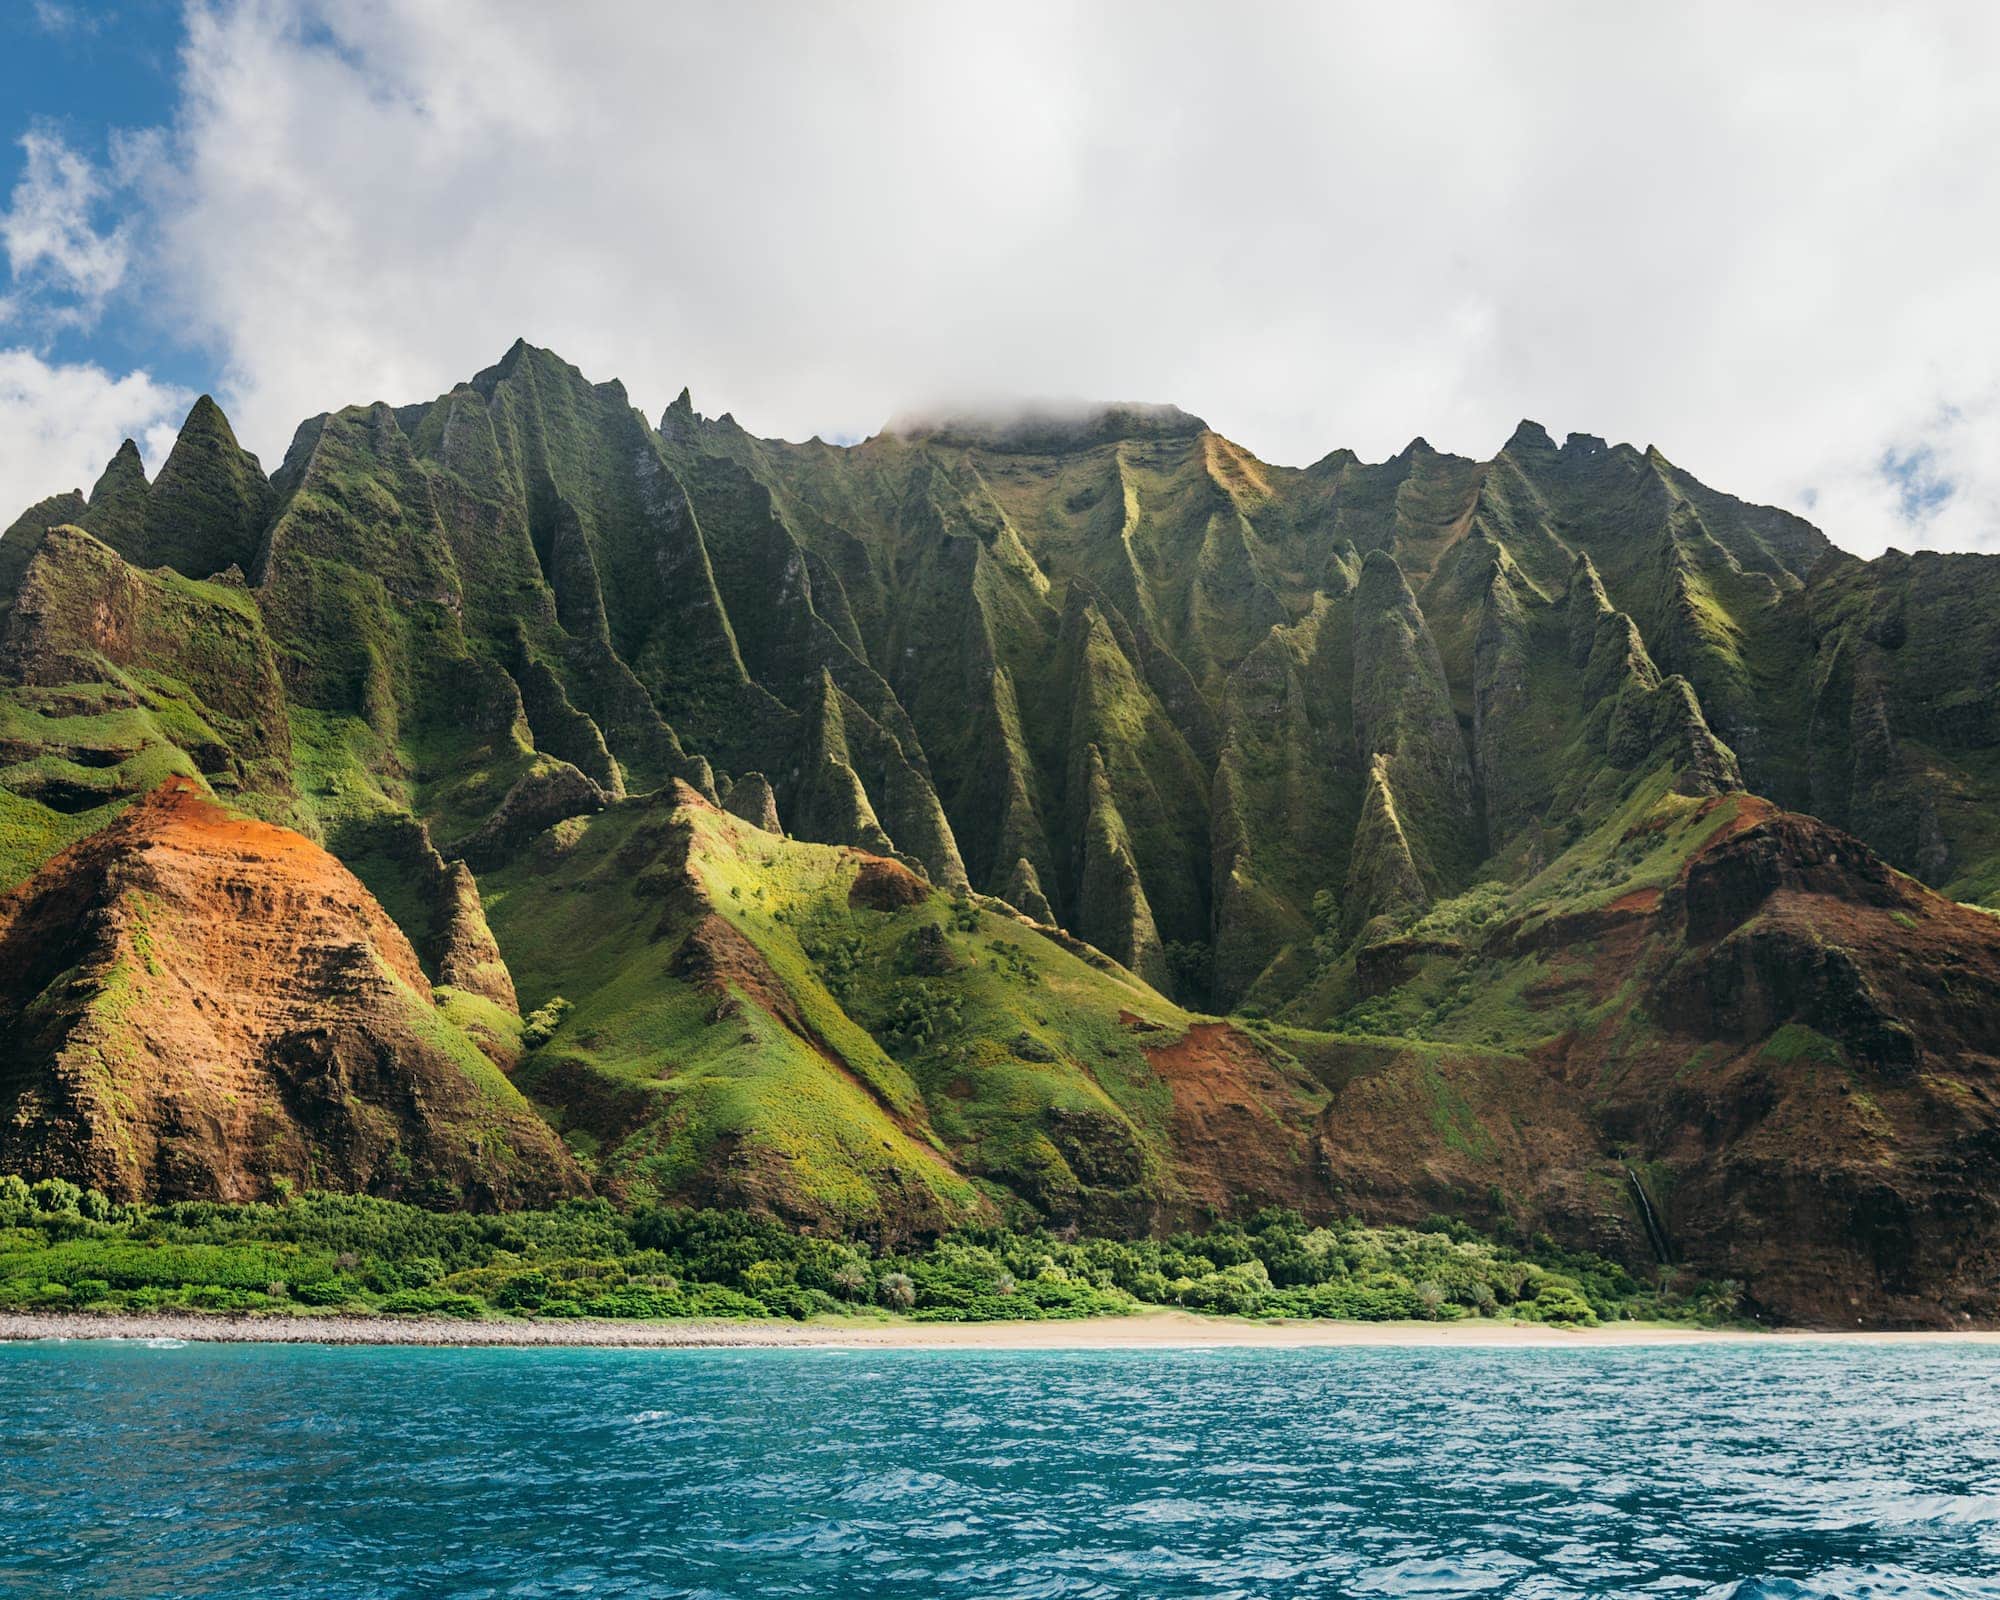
(1326, 927)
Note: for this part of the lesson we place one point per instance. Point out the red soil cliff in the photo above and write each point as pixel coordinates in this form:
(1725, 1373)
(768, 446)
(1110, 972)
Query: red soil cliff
(194, 1004)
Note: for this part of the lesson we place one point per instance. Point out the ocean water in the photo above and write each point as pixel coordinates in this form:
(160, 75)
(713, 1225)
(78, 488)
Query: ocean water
(354, 1474)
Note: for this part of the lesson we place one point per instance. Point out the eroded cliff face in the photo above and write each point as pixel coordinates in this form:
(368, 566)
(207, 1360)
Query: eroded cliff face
(1834, 1128)
(1791, 1050)
(195, 1004)
(1048, 740)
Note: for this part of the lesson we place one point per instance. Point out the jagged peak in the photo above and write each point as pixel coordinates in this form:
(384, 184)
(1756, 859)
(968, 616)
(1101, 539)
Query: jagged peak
(1704, 764)
(1607, 644)
(1094, 767)
(124, 470)
(825, 692)
(1579, 445)
(23, 537)
(677, 794)
(207, 434)
(298, 454)
(1381, 585)
(1079, 606)
(1024, 893)
(1502, 570)
(206, 416)
(1382, 875)
(1481, 533)
(1530, 436)
(519, 354)
(680, 420)
(1343, 569)
(378, 418)
(750, 797)
(827, 719)
(1586, 587)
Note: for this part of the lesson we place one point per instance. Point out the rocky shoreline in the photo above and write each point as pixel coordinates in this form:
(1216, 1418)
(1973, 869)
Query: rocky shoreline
(226, 1328)
(1157, 1329)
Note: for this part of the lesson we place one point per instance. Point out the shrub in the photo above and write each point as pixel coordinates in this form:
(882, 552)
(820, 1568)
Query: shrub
(898, 1292)
(521, 1291)
(539, 1026)
(57, 1195)
(717, 1300)
(635, 1301)
(325, 1292)
(762, 1278)
(1560, 1302)
(432, 1303)
(919, 1013)
(220, 1297)
(1326, 928)
(1190, 970)
(1234, 1291)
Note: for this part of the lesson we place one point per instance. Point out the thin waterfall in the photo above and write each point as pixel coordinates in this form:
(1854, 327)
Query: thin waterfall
(1656, 1233)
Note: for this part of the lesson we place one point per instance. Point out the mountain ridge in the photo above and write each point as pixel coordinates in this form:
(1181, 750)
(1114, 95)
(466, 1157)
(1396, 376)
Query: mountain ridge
(1363, 754)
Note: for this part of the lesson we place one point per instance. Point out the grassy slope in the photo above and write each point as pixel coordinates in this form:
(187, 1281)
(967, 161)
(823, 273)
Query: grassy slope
(166, 676)
(913, 1050)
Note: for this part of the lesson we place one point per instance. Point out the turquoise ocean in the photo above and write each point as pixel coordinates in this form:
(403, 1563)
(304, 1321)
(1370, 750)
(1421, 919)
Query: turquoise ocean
(130, 1470)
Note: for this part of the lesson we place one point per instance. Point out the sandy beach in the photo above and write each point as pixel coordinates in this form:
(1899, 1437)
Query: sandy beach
(1147, 1330)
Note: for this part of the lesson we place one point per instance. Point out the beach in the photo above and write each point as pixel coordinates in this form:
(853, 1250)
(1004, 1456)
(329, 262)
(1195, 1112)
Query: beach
(1162, 1329)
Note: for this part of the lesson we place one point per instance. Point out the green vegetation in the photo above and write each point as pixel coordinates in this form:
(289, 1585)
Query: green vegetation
(66, 1248)
(840, 1051)
(1405, 765)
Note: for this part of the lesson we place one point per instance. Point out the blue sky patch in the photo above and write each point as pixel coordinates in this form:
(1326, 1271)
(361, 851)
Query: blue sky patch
(1921, 488)
(90, 75)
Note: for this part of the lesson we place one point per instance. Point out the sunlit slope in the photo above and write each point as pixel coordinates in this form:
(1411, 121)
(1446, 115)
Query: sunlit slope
(812, 1028)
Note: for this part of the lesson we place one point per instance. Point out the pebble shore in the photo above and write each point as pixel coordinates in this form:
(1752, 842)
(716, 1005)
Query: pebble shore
(1151, 1329)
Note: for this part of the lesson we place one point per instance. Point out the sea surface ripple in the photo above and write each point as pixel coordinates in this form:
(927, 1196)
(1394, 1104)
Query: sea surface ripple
(357, 1474)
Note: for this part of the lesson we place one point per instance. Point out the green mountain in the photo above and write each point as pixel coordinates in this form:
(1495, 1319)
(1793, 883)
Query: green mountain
(878, 836)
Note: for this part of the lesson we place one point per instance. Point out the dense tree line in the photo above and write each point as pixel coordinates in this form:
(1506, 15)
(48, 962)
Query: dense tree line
(70, 1248)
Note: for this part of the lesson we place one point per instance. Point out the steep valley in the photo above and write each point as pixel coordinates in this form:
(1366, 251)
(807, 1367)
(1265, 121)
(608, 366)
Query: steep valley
(1063, 819)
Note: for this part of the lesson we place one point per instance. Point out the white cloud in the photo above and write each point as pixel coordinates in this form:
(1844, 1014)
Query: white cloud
(60, 423)
(1760, 237)
(54, 250)
(53, 17)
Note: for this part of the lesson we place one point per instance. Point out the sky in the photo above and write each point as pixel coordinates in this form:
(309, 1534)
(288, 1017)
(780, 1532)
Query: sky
(1765, 238)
